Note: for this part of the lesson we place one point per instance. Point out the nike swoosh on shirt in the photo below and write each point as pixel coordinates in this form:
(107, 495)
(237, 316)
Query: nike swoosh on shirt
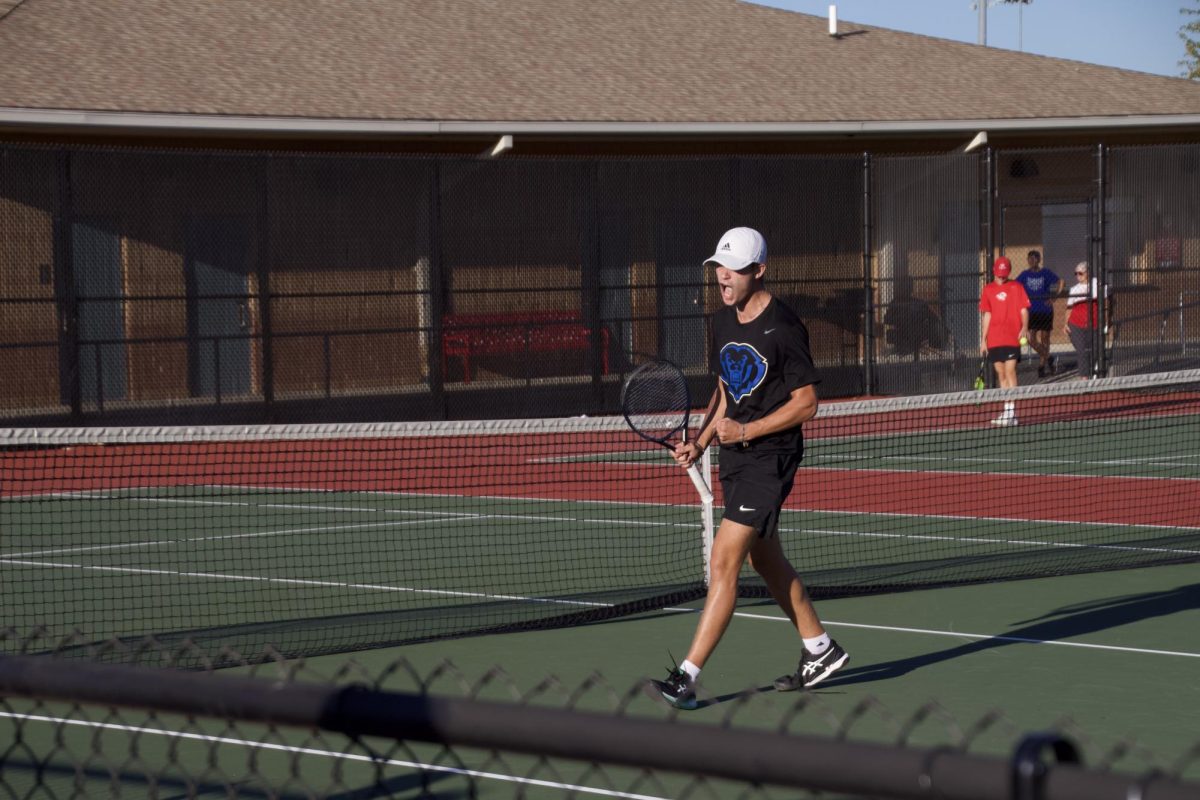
(768, 330)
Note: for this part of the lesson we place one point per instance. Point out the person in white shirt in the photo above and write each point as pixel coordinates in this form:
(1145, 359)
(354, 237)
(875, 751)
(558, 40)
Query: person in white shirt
(1083, 317)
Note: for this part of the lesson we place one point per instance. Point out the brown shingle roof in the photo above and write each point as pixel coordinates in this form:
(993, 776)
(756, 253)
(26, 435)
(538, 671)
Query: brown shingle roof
(640, 61)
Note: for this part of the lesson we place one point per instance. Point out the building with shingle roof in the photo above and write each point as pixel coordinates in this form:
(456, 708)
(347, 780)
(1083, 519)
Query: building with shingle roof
(257, 210)
(445, 74)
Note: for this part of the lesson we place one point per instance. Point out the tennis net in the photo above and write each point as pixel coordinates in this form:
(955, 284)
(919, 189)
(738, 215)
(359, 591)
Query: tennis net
(927, 491)
(329, 538)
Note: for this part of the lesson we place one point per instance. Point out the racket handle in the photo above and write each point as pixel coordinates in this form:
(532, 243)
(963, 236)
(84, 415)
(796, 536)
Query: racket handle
(701, 485)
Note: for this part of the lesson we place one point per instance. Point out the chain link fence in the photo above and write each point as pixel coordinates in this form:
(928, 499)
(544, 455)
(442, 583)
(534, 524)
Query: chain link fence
(75, 727)
(170, 286)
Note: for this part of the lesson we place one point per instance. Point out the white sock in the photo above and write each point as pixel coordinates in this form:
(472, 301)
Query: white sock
(1010, 408)
(691, 669)
(818, 645)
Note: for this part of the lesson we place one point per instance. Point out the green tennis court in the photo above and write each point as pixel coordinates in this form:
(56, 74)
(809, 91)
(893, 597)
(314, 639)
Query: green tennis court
(349, 543)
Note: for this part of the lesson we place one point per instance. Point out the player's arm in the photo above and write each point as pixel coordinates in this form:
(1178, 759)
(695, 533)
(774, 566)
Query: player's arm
(687, 453)
(987, 321)
(800, 407)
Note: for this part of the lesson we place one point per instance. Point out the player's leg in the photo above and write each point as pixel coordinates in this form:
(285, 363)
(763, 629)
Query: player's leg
(1005, 362)
(998, 368)
(1041, 346)
(1039, 339)
(1041, 343)
(820, 656)
(1007, 373)
(730, 547)
(785, 586)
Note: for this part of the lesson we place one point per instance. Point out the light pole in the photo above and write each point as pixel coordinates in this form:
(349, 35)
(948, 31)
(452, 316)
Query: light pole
(982, 7)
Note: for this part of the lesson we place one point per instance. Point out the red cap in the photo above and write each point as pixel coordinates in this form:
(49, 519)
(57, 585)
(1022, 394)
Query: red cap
(1002, 267)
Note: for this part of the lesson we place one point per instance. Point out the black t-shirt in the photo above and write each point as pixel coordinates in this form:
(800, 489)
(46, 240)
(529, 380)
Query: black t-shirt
(761, 363)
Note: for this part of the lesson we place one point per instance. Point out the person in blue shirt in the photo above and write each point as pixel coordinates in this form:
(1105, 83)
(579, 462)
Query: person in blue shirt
(1043, 287)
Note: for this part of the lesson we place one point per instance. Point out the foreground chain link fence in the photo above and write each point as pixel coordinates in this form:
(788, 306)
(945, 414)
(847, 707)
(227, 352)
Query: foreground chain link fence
(76, 727)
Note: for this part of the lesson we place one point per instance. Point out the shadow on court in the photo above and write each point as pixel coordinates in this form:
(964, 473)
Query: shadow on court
(1060, 624)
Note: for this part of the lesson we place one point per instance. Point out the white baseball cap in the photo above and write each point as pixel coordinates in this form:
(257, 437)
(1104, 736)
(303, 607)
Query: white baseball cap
(738, 249)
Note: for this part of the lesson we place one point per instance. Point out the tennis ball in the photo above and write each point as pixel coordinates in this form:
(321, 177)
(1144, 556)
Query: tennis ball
(1023, 341)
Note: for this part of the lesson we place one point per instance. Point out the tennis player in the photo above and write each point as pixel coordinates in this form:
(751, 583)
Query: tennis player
(766, 392)
(1005, 308)
(1042, 287)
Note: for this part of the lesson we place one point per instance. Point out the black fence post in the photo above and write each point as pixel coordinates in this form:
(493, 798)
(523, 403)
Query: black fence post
(735, 191)
(437, 300)
(989, 228)
(264, 288)
(989, 208)
(590, 266)
(70, 390)
(1099, 365)
(868, 288)
(217, 341)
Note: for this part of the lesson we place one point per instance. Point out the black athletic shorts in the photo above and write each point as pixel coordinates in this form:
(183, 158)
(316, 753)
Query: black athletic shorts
(755, 486)
(999, 354)
(1041, 321)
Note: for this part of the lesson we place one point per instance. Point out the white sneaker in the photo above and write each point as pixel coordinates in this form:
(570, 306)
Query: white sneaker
(1005, 421)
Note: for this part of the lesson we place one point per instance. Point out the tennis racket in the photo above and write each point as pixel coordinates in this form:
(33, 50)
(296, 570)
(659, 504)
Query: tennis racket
(657, 405)
(980, 379)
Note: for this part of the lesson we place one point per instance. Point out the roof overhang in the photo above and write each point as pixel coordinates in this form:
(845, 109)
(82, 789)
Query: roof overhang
(131, 122)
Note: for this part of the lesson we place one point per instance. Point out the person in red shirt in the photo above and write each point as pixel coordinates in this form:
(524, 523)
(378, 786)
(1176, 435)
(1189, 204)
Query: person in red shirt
(1005, 308)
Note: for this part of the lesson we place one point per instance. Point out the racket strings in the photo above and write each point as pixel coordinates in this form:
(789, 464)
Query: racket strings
(655, 399)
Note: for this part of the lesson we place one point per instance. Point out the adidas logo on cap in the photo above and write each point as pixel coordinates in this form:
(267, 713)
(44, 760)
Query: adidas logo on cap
(739, 248)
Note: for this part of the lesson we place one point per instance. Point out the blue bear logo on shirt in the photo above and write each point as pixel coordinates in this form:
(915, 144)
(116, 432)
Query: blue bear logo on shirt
(742, 368)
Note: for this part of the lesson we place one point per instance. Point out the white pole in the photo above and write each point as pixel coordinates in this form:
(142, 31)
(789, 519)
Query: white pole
(982, 21)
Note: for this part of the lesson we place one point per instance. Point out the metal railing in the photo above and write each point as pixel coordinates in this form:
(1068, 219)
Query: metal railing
(383, 726)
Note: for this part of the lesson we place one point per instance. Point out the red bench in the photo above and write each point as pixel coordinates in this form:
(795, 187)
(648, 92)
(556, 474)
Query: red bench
(465, 336)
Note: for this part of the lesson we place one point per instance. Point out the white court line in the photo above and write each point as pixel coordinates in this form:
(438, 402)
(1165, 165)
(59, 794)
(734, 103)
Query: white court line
(960, 635)
(229, 576)
(973, 518)
(517, 498)
(122, 494)
(99, 548)
(888, 514)
(193, 501)
(19, 558)
(438, 516)
(311, 751)
(983, 540)
(1008, 472)
(1114, 462)
(14, 559)
(1159, 460)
